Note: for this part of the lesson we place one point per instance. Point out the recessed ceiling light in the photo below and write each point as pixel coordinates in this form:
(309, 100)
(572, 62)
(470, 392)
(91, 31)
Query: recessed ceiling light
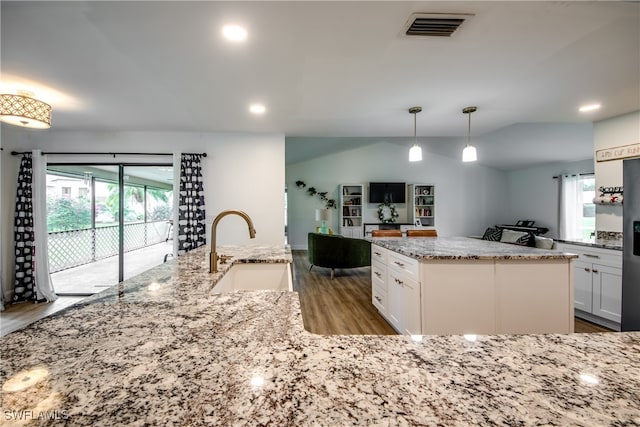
(589, 107)
(257, 109)
(234, 33)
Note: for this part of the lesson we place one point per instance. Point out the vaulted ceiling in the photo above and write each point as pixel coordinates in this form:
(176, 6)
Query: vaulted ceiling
(322, 69)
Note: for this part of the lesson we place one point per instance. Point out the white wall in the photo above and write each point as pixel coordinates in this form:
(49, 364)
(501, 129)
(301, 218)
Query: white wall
(241, 171)
(533, 193)
(469, 197)
(614, 132)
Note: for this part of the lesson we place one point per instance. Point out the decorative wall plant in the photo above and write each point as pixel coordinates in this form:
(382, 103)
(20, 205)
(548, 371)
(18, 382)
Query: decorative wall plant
(329, 203)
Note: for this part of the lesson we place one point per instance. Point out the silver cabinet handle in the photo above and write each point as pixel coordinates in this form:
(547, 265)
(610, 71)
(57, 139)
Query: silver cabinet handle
(591, 256)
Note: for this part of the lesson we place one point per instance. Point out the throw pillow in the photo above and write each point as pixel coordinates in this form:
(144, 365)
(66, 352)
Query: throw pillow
(493, 234)
(543, 242)
(517, 237)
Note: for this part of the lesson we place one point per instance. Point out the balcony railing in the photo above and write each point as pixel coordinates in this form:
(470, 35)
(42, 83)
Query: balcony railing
(72, 248)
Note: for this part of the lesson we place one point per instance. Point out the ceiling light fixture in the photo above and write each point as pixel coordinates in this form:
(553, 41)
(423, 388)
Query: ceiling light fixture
(469, 154)
(24, 110)
(234, 33)
(589, 108)
(257, 109)
(415, 153)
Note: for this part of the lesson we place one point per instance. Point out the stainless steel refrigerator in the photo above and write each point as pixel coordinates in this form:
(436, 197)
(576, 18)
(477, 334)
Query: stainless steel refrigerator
(631, 248)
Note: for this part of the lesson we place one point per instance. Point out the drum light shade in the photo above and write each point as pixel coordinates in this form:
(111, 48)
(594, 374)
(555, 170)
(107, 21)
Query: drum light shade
(24, 111)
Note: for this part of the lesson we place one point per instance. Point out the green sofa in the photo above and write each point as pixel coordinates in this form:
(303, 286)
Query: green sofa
(334, 251)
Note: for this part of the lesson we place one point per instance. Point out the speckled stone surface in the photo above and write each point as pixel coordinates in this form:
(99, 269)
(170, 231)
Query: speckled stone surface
(615, 245)
(426, 248)
(175, 354)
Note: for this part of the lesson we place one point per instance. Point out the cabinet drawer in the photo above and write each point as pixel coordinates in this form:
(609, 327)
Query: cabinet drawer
(378, 271)
(608, 257)
(378, 254)
(379, 299)
(408, 266)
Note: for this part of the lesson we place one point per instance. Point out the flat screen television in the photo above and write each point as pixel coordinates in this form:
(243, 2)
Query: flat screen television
(387, 192)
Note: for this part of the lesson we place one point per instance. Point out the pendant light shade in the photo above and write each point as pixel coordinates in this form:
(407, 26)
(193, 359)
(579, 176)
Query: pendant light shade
(23, 110)
(469, 154)
(415, 153)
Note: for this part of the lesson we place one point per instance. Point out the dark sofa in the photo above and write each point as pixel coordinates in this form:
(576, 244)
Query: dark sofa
(334, 251)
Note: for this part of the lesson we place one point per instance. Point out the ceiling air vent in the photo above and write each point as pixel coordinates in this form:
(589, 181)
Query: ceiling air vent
(434, 24)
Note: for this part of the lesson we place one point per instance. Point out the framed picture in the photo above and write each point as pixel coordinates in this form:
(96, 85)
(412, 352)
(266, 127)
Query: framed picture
(418, 223)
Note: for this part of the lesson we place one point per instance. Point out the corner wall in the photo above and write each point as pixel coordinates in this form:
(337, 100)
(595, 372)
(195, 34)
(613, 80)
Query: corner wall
(614, 132)
(533, 193)
(469, 197)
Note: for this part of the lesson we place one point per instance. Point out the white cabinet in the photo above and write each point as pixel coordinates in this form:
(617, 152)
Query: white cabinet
(582, 286)
(607, 292)
(472, 296)
(379, 295)
(396, 290)
(422, 204)
(597, 284)
(351, 210)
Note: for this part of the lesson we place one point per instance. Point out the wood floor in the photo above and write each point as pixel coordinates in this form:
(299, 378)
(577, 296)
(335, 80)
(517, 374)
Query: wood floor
(342, 306)
(17, 316)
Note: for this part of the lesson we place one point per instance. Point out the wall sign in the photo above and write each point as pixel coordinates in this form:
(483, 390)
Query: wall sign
(617, 153)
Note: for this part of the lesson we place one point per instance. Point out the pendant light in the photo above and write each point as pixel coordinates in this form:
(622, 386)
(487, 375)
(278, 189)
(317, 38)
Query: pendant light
(469, 153)
(415, 153)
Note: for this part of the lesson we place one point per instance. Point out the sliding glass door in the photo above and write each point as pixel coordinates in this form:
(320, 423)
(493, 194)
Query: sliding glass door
(148, 206)
(93, 243)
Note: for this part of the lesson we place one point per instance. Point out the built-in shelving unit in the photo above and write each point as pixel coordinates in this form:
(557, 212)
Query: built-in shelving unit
(351, 209)
(422, 204)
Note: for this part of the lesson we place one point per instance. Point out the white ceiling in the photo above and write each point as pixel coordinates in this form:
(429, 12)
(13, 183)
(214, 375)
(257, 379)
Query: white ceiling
(326, 69)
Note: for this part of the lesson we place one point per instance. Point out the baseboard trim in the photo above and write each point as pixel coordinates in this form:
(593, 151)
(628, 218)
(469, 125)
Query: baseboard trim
(597, 320)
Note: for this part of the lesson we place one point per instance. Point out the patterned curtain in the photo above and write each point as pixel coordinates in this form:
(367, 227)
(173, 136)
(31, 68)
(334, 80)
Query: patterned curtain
(191, 213)
(24, 283)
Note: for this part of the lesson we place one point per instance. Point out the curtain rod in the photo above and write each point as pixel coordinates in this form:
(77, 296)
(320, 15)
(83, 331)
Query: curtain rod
(17, 153)
(574, 174)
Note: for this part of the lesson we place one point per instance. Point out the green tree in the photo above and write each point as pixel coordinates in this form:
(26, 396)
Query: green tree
(65, 214)
(132, 195)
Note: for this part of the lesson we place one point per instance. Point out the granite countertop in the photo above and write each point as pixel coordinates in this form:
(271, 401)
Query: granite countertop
(615, 245)
(189, 357)
(434, 248)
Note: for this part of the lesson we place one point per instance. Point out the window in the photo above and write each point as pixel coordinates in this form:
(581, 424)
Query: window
(66, 191)
(577, 211)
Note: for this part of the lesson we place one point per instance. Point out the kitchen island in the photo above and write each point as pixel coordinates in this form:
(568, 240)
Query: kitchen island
(458, 285)
(162, 349)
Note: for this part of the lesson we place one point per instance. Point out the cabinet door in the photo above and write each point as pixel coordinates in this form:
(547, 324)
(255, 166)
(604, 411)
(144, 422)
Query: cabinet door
(411, 319)
(356, 232)
(394, 300)
(582, 287)
(607, 292)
